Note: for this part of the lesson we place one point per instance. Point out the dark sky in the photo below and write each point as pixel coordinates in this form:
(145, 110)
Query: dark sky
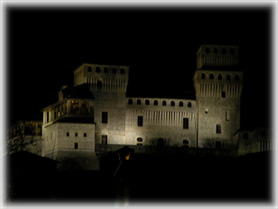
(159, 44)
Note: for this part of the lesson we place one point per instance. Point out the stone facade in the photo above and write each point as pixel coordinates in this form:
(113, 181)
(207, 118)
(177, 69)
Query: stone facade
(97, 111)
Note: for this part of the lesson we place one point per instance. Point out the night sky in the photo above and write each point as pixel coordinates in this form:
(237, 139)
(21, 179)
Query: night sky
(159, 44)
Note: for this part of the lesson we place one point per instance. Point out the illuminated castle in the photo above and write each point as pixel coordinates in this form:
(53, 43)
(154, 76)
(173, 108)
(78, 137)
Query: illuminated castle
(97, 111)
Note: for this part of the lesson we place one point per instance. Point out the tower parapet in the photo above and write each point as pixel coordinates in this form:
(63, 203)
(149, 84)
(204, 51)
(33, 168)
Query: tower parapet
(217, 56)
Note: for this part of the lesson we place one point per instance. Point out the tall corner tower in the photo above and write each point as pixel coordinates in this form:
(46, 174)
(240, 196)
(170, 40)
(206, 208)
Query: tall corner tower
(108, 83)
(218, 86)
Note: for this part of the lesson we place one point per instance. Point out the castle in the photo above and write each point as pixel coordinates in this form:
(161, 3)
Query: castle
(97, 111)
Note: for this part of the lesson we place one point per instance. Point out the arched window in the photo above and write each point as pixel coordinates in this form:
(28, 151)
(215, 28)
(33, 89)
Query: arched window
(211, 76)
(203, 76)
(106, 70)
(89, 69)
(138, 101)
(164, 103)
(97, 69)
(223, 51)
(219, 77)
(236, 78)
(155, 102)
(181, 104)
(114, 70)
(122, 71)
(139, 139)
(172, 103)
(215, 51)
(189, 104)
(130, 101)
(147, 102)
(228, 77)
(185, 142)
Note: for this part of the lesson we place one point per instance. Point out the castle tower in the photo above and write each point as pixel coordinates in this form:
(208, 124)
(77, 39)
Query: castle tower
(218, 86)
(108, 83)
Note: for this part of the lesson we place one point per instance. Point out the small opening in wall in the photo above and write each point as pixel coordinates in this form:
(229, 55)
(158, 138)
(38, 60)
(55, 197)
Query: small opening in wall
(114, 70)
(164, 103)
(140, 121)
(203, 76)
(206, 111)
(189, 104)
(147, 102)
(155, 102)
(185, 123)
(139, 139)
(76, 145)
(106, 70)
(67, 134)
(219, 77)
(76, 134)
(211, 76)
(218, 128)
(104, 117)
(97, 69)
(181, 104)
(85, 134)
(223, 94)
(130, 101)
(228, 77)
(103, 139)
(172, 103)
(138, 101)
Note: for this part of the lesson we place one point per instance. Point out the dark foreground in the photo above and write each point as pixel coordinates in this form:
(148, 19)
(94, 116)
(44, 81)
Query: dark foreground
(151, 178)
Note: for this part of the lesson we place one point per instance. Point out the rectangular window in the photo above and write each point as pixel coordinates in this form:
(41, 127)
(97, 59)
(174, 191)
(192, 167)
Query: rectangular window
(218, 129)
(76, 134)
(47, 117)
(75, 145)
(140, 121)
(185, 123)
(227, 115)
(85, 134)
(223, 94)
(104, 117)
(104, 139)
(67, 134)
